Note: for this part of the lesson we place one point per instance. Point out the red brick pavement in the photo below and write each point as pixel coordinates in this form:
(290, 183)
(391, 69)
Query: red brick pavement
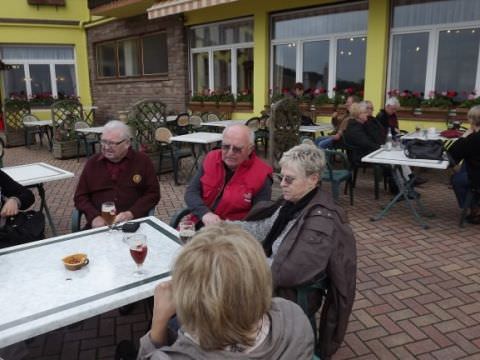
(418, 290)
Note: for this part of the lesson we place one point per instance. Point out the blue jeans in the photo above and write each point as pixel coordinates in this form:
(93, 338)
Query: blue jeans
(324, 142)
(461, 185)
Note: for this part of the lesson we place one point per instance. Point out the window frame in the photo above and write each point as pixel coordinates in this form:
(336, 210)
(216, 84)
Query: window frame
(433, 47)
(332, 54)
(53, 76)
(211, 49)
(140, 57)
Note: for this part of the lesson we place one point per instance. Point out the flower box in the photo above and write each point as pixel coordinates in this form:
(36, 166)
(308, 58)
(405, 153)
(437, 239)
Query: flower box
(434, 113)
(324, 109)
(195, 106)
(243, 106)
(67, 149)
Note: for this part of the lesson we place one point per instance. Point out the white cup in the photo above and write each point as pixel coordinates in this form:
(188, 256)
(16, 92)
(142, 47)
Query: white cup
(432, 131)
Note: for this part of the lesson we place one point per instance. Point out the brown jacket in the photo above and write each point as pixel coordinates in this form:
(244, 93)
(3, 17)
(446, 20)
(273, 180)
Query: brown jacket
(320, 241)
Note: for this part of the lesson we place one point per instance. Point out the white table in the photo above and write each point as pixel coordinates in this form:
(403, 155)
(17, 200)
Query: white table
(224, 123)
(91, 130)
(33, 123)
(39, 295)
(34, 175)
(396, 159)
(199, 138)
(316, 128)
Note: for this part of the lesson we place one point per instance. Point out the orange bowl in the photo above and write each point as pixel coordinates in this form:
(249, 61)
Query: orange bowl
(75, 261)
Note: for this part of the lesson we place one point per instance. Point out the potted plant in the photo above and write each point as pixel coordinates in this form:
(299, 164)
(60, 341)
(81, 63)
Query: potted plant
(196, 102)
(409, 101)
(65, 113)
(438, 104)
(322, 103)
(226, 102)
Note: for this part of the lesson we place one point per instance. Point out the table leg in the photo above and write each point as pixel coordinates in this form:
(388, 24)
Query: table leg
(405, 187)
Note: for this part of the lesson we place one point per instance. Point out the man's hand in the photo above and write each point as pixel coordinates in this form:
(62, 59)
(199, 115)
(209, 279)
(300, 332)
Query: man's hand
(98, 222)
(210, 218)
(163, 310)
(10, 208)
(123, 216)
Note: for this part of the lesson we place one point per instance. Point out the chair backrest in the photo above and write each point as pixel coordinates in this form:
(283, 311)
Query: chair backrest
(253, 123)
(163, 135)
(183, 120)
(195, 121)
(212, 117)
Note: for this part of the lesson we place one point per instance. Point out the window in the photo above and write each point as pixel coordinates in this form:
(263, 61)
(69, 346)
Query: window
(429, 39)
(39, 71)
(323, 47)
(222, 57)
(133, 57)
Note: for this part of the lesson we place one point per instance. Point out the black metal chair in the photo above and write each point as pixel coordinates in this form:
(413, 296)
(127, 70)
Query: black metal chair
(88, 140)
(162, 136)
(338, 170)
(31, 131)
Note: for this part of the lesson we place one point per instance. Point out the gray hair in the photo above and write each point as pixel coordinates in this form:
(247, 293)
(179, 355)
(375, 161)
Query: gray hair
(305, 157)
(474, 115)
(393, 101)
(250, 133)
(117, 125)
(358, 108)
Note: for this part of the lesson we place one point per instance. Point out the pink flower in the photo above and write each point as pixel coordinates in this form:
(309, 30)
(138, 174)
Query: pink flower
(471, 97)
(431, 94)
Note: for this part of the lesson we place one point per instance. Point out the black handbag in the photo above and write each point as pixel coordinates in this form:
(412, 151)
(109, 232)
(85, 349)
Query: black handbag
(24, 227)
(424, 149)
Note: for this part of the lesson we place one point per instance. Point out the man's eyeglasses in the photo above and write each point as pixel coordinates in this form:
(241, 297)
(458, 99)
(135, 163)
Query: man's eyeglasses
(111, 143)
(288, 179)
(235, 149)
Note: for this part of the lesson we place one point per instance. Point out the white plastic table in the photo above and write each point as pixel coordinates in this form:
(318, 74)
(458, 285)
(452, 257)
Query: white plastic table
(316, 128)
(224, 123)
(34, 175)
(396, 159)
(39, 295)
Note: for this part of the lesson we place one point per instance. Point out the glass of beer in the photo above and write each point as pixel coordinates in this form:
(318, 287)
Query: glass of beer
(186, 230)
(137, 244)
(109, 211)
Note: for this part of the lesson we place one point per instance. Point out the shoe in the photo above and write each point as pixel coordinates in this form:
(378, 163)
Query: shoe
(125, 350)
(419, 181)
(473, 219)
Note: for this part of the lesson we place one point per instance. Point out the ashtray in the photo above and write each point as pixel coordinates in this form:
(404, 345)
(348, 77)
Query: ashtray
(75, 261)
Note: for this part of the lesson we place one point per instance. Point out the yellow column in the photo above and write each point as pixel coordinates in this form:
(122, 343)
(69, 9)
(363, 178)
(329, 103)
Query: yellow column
(260, 59)
(377, 51)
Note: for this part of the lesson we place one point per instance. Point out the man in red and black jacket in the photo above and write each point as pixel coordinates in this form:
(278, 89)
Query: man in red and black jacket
(231, 180)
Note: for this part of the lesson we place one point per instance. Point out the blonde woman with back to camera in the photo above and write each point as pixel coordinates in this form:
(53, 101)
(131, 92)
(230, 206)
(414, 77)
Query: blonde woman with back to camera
(221, 292)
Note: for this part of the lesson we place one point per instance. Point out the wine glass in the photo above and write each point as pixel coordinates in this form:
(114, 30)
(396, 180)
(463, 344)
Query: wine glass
(109, 211)
(186, 230)
(137, 244)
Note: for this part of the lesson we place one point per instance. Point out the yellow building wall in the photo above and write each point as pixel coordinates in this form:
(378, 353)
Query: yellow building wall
(47, 31)
(260, 10)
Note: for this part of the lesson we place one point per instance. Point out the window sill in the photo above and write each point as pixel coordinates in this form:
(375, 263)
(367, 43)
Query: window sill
(208, 106)
(432, 114)
(131, 80)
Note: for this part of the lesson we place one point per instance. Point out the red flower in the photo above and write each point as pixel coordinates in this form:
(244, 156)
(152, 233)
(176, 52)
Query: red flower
(285, 91)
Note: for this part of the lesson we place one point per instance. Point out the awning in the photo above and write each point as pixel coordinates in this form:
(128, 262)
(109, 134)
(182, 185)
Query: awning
(170, 7)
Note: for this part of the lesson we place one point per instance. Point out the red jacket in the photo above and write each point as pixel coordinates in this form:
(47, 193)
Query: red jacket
(236, 200)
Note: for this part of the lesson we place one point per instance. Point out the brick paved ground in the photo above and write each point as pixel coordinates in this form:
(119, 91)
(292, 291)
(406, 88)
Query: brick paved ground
(418, 290)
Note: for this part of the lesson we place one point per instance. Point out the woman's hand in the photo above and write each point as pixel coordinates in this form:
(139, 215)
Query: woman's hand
(10, 208)
(210, 218)
(163, 310)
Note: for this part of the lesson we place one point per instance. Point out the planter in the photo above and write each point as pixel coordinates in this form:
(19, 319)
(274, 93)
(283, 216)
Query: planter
(243, 106)
(434, 113)
(67, 149)
(14, 138)
(225, 107)
(324, 109)
(406, 112)
(195, 106)
(459, 114)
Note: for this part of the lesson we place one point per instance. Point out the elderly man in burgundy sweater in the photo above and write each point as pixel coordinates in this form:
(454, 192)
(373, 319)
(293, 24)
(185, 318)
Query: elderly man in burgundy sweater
(118, 174)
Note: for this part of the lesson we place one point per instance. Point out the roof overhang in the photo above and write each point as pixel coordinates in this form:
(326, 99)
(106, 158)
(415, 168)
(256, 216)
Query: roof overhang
(171, 7)
(122, 8)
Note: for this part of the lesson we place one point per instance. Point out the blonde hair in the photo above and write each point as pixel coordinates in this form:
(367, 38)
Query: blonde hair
(357, 108)
(222, 286)
(473, 115)
(307, 158)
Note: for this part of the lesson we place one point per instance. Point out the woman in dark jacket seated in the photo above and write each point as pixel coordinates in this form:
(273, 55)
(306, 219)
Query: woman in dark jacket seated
(305, 236)
(467, 149)
(13, 197)
(221, 291)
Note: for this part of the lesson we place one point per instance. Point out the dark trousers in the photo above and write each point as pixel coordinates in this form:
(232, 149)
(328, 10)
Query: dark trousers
(461, 185)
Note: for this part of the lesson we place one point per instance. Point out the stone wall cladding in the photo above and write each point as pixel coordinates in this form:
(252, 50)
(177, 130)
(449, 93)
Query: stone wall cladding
(113, 95)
